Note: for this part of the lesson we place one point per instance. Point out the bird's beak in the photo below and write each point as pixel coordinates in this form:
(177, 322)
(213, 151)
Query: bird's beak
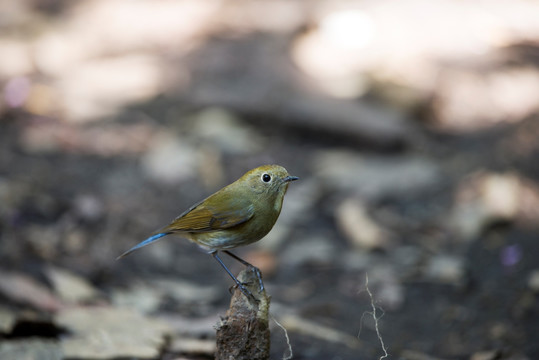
(290, 178)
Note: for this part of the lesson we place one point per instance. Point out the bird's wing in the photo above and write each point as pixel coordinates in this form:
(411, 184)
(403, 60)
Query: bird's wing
(208, 217)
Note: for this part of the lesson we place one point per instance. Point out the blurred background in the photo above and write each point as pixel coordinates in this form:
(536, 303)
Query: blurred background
(413, 126)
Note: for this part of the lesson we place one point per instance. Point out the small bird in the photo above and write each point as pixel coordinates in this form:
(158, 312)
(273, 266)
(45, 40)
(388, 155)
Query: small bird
(237, 215)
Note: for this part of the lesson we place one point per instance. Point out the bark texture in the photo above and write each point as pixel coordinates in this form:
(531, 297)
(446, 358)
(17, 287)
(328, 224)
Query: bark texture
(243, 334)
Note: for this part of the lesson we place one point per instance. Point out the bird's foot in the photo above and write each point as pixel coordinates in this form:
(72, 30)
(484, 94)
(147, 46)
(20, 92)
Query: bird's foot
(248, 294)
(259, 277)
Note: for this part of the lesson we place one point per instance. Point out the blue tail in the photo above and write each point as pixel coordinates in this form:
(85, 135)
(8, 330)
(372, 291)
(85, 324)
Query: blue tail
(149, 240)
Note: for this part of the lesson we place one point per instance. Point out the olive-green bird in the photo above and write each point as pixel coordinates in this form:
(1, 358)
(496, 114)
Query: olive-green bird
(237, 215)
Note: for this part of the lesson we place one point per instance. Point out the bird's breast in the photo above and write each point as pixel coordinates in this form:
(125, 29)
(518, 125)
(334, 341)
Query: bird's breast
(240, 235)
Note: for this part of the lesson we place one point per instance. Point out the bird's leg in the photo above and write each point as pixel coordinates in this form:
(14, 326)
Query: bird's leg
(255, 269)
(244, 290)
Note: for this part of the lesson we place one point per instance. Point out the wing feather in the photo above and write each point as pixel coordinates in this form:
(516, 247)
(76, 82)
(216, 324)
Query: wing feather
(204, 217)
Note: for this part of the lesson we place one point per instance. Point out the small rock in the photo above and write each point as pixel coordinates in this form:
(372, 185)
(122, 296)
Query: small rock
(210, 167)
(500, 194)
(70, 287)
(294, 323)
(185, 345)
(109, 333)
(89, 207)
(483, 199)
(223, 129)
(75, 241)
(200, 327)
(31, 349)
(499, 330)
(169, 160)
(16, 59)
(375, 177)
(445, 268)
(528, 212)
(25, 290)
(486, 355)
(467, 221)
(385, 286)
(143, 298)
(502, 95)
(533, 281)
(110, 84)
(359, 228)
(7, 320)
(44, 240)
(314, 248)
(43, 100)
(417, 355)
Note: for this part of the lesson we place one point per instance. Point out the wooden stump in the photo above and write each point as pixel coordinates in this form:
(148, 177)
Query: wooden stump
(243, 334)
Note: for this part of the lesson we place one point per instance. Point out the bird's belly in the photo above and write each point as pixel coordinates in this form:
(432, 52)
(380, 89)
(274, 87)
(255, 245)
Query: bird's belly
(229, 238)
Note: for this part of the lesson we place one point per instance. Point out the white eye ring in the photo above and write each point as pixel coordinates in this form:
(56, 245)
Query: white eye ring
(266, 178)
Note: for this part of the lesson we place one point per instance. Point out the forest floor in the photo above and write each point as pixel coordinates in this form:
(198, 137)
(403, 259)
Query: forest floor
(427, 185)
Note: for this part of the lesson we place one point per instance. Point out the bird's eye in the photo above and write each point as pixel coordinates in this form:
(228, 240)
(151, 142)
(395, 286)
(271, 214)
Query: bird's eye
(266, 178)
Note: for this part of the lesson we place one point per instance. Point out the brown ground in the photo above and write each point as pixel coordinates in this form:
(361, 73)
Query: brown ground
(116, 117)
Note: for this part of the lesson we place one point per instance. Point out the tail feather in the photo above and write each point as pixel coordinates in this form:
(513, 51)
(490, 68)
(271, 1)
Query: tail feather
(149, 240)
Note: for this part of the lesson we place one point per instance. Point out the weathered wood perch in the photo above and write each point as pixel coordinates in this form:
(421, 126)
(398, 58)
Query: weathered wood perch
(243, 334)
